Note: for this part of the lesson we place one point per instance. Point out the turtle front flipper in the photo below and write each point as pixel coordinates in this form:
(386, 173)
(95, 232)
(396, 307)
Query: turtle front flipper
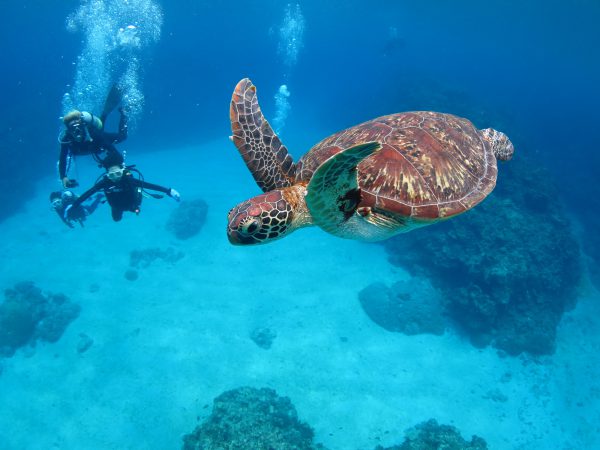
(333, 193)
(266, 157)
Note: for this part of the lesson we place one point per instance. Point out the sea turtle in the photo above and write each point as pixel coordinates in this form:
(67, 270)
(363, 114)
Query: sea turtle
(369, 182)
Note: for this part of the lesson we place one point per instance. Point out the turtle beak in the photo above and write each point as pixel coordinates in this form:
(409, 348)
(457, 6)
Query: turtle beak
(236, 238)
(233, 220)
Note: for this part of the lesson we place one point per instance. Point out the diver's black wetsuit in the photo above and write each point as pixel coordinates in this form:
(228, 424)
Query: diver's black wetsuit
(80, 213)
(123, 195)
(66, 201)
(96, 143)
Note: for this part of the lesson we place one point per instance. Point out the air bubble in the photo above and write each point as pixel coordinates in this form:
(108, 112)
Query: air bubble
(115, 35)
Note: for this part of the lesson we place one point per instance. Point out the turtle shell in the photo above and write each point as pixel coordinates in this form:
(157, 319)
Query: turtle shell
(431, 165)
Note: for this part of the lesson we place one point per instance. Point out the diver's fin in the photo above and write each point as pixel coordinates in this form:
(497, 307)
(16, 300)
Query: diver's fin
(113, 98)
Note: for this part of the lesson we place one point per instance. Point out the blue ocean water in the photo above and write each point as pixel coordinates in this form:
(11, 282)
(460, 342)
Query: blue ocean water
(530, 70)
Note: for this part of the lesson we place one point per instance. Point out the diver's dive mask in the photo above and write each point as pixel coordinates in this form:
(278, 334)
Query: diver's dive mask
(77, 129)
(115, 173)
(57, 203)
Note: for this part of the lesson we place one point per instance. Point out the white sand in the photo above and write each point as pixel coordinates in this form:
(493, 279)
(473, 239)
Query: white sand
(166, 344)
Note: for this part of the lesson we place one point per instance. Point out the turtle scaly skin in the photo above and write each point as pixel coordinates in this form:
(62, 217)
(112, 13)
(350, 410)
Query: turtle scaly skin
(266, 157)
(268, 216)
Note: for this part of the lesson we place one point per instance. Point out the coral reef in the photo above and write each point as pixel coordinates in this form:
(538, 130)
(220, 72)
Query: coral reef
(187, 219)
(263, 337)
(409, 308)
(251, 419)
(144, 258)
(432, 436)
(27, 315)
(507, 269)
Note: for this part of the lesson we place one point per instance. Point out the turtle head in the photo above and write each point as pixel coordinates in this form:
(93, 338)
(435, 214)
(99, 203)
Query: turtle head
(501, 146)
(266, 217)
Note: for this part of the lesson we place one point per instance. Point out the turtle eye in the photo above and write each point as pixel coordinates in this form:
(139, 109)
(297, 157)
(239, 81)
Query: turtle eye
(249, 226)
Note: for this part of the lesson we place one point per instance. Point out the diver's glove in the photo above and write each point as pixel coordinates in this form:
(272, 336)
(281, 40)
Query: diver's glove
(175, 195)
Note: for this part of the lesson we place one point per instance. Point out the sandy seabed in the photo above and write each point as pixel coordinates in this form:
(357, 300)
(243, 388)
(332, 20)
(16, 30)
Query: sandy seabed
(166, 344)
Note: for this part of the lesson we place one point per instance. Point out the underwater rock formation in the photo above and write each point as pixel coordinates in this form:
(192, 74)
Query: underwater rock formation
(507, 269)
(143, 258)
(263, 337)
(432, 436)
(251, 419)
(27, 315)
(131, 274)
(407, 307)
(591, 239)
(187, 219)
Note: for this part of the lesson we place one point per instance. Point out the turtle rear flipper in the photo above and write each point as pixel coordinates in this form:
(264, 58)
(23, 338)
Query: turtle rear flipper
(333, 192)
(267, 158)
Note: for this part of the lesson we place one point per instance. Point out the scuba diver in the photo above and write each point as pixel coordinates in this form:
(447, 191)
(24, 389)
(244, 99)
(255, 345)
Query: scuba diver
(122, 189)
(61, 200)
(85, 135)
